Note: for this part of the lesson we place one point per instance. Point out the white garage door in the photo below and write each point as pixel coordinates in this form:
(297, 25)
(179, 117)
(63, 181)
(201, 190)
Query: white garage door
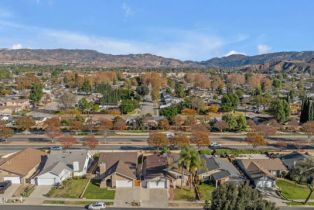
(124, 183)
(47, 181)
(156, 184)
(14, 180)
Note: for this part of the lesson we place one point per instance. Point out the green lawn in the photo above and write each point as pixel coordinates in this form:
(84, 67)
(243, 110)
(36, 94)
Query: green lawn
(300, 204)
(94, 192)
(188, 194)
(71, 188)
(292, 190)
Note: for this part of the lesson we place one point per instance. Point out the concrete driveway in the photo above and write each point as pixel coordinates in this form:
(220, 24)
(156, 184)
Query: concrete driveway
(40, 192)
(147, 197)
(10, 191)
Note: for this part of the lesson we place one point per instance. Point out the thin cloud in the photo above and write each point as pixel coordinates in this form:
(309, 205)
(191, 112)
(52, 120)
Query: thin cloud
(17, 46)
(263, 49)
(234, 52)
(183, 44)
(127, 10)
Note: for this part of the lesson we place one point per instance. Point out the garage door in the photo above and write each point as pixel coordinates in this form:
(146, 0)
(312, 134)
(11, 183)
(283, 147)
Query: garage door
(124, 183)
(156, 184)
(14, 180)
(45, 181)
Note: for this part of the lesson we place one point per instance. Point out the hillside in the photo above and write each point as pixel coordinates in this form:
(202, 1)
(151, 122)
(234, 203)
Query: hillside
(281, 61)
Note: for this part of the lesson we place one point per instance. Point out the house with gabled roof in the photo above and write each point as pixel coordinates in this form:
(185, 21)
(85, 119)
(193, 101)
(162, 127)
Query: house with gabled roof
(118, 170)
(62, 165)
(219, 170)
(262, 172)
(19, 167)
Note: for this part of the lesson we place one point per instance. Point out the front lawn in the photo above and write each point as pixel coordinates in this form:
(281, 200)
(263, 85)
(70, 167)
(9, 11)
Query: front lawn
(93, 191)
(71, 188)
(189, 195)
(292, 190)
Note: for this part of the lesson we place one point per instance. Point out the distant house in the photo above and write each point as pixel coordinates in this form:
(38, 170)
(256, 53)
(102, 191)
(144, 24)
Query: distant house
(62, 165)
(19, 167)
(292, 158)
(154, 172)
(118, 170)
(9, 105)
(219, 170)
(262, 172)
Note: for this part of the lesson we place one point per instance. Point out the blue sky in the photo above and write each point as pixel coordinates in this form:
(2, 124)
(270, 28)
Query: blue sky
(183, 29)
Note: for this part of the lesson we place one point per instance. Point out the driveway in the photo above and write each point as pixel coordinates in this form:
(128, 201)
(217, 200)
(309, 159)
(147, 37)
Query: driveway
(10, 191)
(40, 192)
(147, 197)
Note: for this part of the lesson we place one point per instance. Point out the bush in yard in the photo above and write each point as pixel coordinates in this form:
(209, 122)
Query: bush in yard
(233, 197)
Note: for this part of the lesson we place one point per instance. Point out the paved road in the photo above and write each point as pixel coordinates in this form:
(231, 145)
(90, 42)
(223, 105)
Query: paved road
(81, 208)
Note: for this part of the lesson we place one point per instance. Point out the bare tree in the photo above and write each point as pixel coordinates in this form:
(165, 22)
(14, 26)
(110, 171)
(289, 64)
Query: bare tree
(67, 100)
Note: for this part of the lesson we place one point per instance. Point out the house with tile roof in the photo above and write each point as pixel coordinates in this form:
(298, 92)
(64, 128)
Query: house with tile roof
(20, 167)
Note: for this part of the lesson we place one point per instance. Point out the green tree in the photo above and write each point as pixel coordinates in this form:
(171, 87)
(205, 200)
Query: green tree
(86, 86)
(36, 93)
(128, 106)
(84, 105)
(169, 112)
(179, 90)
(242, 197)
(280, 109)
(229, 102)
(303, 173)
(235, 122)
(190, 161)
(307, 110)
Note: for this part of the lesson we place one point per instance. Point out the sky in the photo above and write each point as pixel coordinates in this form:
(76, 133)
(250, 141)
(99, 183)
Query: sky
(183, 29)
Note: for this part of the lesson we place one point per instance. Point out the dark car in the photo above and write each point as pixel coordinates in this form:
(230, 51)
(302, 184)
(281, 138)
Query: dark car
(4, 186)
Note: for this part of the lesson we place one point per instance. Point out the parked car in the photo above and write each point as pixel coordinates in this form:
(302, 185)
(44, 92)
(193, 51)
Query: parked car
(2, 140)
(170, 135)
(215, 145)
(96, 206)
(4, 186)
(56, 148)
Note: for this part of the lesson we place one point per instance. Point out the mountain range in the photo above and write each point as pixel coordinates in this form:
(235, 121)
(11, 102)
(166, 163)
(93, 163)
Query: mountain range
(280, 61)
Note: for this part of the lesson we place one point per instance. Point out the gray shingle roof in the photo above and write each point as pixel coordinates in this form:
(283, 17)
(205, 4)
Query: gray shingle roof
(59, 160)
(215, 163)
(290, 159)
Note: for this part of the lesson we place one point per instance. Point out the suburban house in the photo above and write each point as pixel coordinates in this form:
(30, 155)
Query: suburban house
(292, 158)
(154, 172)
(19, 167)
(180, 176)
(9, 105)
(118, 170)
(262, 172)
(62, 165)
(218, 170)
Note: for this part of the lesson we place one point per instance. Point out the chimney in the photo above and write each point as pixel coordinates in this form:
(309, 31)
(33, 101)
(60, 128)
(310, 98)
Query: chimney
(76, 166)
(102, 168)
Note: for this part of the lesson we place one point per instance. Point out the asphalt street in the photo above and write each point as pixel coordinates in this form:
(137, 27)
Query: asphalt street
(17, 207)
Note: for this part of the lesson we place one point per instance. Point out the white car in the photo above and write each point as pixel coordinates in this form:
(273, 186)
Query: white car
(215, 144)
(97, 206)
(170, 135)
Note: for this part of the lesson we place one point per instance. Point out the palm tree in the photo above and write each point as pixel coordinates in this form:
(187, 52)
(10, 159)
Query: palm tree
(303, 172)
(190, 161)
